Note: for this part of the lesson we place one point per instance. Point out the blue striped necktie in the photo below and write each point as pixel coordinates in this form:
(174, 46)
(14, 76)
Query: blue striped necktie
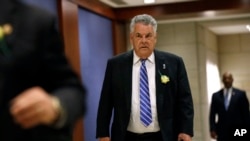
(226, 100)
(145, 106)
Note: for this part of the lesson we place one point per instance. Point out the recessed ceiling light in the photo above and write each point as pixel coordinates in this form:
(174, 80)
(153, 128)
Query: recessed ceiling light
(149, 1)
(209, 13)
(248, 27)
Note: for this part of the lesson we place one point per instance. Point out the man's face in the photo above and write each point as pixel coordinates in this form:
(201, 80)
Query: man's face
(227, 80)
(143, 39)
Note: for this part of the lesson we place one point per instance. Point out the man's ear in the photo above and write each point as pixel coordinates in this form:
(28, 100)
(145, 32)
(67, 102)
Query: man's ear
(130, 37)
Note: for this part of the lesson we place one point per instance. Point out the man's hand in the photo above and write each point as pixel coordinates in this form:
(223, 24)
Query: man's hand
(213, 134)
(33, 107)
(184, 137)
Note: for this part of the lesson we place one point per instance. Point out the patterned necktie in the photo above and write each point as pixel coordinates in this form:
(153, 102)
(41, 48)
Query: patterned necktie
(145, 107)
(226, 100)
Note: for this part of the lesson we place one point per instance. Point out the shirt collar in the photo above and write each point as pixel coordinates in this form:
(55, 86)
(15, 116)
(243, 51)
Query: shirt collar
(151, 58)
(229, 89)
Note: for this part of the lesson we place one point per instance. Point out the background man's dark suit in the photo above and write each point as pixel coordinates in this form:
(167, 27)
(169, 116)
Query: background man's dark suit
(236, 116)
(36, 58)
(117, 89)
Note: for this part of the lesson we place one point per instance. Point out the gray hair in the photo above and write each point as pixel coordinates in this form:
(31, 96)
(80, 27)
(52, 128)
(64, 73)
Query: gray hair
(144, 19)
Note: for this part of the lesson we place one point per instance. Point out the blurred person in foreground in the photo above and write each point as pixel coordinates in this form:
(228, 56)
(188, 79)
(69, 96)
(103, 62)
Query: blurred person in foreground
(231, 105)
(146, 90)
(41, 97)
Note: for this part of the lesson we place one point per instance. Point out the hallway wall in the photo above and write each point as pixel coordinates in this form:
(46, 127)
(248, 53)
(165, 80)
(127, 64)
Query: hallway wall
(234, 53)
(95, 49)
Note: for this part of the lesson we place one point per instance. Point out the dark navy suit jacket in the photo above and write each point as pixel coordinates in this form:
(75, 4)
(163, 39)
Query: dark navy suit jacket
(35, 58)
(236, 116)
(173, 100)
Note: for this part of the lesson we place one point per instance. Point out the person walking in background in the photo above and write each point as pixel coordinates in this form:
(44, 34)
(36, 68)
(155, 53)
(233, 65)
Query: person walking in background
(231, 105)
(146, 90)
(41, 97)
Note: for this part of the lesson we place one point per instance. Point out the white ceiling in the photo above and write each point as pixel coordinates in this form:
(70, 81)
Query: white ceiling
(220, 25)
(229, 28)
(230, 24)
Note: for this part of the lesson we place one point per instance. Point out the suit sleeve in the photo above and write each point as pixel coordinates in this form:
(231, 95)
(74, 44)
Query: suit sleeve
(105, 105)
(57, 74)
(184, 101)
(212, 114)
(245, 108)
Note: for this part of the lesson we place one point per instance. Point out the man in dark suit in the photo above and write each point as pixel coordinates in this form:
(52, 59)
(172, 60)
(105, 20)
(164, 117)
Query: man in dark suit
(40, 96)
(232, 108)
(171, 107)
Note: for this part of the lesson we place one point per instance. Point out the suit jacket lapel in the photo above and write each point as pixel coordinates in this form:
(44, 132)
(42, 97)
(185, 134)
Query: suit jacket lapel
(14, 22)
(162, 90)
(127, 78)
(233, 94)
(222, 99)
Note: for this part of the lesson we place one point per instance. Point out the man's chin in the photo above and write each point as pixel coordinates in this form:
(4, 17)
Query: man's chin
(145, 53)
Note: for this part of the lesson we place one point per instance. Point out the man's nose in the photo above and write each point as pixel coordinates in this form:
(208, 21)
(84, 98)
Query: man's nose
(144, 39)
